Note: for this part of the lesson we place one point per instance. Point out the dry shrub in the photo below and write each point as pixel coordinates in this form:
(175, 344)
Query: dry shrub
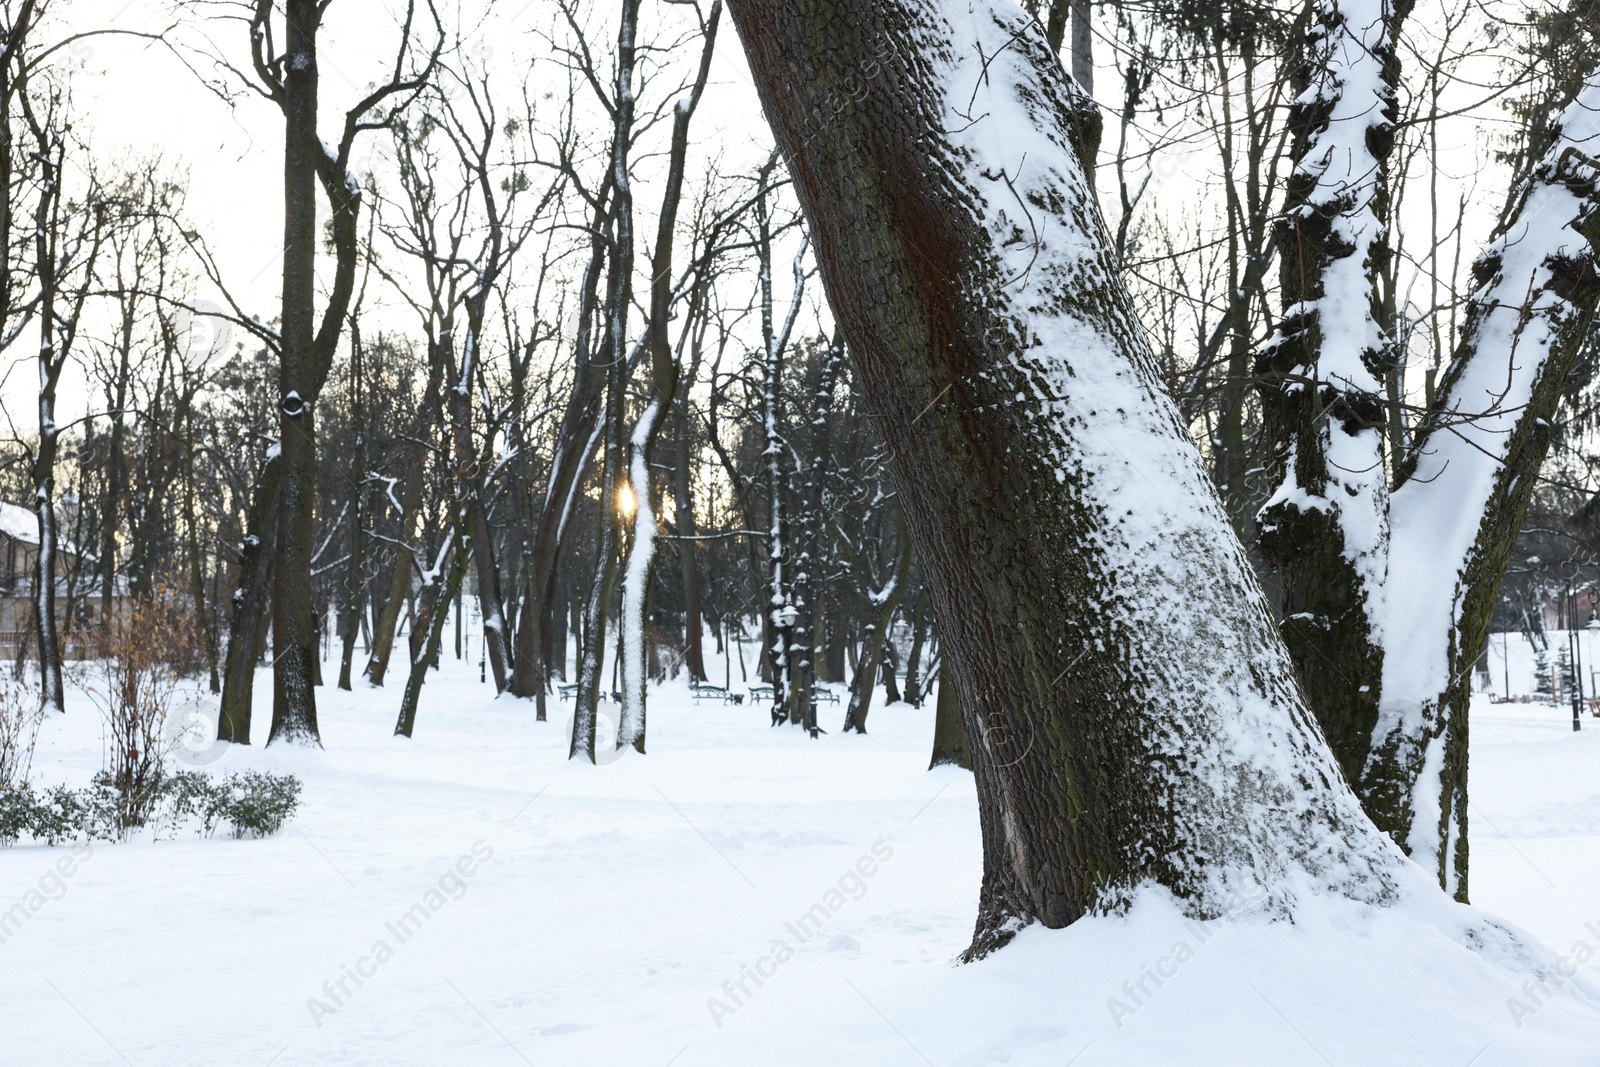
(142, 658)
(20, 718)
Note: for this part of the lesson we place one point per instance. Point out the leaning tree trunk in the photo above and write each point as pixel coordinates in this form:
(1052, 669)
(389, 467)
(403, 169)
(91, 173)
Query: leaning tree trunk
(591, 654)
(574, 444)
(247, 631)
(427, 633)
(1133, 712)
(411, 486)
(1455, 516)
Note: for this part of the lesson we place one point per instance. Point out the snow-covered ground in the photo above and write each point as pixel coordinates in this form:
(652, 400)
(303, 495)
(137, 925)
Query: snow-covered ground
(740, 896)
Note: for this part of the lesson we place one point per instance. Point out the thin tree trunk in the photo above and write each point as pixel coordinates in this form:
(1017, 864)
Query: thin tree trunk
(688, 562)
(664, 380)
(949, 733)
(197, 576)
(1083, 53)
(591, 652)
(919, 634)
(399, 578)
(427, 633)
(809, 549)
(247, 631)
(869, 664)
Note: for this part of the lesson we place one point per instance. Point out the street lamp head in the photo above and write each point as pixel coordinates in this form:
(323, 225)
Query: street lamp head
(788, 616)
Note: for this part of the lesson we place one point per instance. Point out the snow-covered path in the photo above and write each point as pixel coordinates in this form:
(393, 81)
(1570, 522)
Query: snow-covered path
(740, 896)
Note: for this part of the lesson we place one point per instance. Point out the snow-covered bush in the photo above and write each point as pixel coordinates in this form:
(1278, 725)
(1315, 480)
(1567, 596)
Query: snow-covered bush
(257, 804)
(251, 804)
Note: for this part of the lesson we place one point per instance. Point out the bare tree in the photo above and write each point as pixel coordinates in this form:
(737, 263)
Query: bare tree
(287, 75)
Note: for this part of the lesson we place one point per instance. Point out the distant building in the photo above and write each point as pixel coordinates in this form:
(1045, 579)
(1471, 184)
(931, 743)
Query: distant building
(19, 553)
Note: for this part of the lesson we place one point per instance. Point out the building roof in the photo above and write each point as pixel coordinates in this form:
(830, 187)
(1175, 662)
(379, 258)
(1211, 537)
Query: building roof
(19, 523)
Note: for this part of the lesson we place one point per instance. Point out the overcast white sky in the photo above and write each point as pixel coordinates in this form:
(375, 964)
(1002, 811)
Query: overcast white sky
(139, 99)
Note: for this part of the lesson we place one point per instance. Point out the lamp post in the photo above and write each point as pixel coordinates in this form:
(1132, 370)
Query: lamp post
(1568, 606)
(1589, 628)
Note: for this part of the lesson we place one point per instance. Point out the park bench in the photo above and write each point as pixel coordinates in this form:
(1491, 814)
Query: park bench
(568, 691)
(822, 695)
(760, 692)
(708, 692)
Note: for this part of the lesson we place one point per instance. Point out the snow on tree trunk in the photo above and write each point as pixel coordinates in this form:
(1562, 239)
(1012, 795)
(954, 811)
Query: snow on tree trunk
(664, 380)
(636, 579)
(808, 562)
(619, 295)
(440, 589)
(1455, 515)
(1133, 712)
(574, 445)
(1325, 529)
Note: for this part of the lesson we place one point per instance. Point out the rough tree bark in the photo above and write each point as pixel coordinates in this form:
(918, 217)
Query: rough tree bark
(1133, 712)
(306, 346)
(300, 377)
(1387, 596)
(949, 736)
(1325, 530)
(1466, 484)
